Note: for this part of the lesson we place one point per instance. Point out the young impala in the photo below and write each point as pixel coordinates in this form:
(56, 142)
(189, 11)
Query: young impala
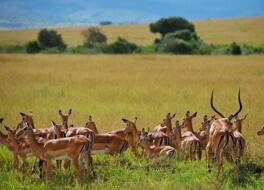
(91, 125)
(221, 138)
(74, 148)
(153, 151)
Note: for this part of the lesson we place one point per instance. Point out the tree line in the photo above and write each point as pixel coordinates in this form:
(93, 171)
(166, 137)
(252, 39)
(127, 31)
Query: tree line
(177, 36)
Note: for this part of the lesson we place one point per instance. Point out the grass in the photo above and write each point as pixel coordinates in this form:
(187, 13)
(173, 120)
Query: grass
(243, 31)
(110, 87)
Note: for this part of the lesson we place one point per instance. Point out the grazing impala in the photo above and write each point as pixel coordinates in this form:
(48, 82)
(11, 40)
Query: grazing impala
(240, 141)
(221, 138)
(261, 132)
(74, 148)
(153, 151)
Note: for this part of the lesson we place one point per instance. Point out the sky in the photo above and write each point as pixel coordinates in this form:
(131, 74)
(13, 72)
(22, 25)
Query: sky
(43, 13)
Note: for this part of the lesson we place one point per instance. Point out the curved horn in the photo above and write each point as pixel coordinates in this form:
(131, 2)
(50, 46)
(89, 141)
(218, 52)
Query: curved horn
(212, 105)
(240, 105)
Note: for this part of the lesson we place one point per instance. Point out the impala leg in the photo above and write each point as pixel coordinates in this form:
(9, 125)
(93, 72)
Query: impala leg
(75, 162)
(59, 162)
(220, 163)
(15, 162)
(48, 169)
(67, 164)
(208, 157)
(24, 164)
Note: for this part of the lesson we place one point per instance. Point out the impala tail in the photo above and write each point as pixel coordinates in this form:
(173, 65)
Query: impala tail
(124, 147)
(171, 153)
(87, 148)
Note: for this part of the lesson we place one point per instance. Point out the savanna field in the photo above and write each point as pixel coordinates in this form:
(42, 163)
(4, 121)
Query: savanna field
(111, 87)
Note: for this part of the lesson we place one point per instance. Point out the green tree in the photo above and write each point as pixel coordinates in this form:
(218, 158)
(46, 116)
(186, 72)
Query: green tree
(176, 46)
(235, 49)
(93, 36)
(50, 39)
(123, 46)
(171, 24)
(32, 47)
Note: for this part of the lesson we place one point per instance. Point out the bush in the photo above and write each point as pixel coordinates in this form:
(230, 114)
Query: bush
(123, 46)
(177, 46)
(171, 24)
(50, 39)
(235, 49)
(33, 47)
(93, 36)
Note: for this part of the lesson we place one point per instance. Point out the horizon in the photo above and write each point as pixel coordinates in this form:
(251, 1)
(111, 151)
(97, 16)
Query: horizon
(23, 14)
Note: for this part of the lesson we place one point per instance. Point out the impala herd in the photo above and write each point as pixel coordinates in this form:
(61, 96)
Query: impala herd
(219, 137)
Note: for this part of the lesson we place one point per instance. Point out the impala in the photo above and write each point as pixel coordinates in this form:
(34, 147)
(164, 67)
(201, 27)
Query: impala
(240, 141)
(187, 123)
(74, 148)
(64, 119)
(221, 139)
(18, 149)
(186, 144)
(261, 132)
(129, 133)
(153, 151)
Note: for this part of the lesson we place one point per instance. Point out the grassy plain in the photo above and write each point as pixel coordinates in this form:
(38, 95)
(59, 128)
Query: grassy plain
(110, 87)
(243, 31)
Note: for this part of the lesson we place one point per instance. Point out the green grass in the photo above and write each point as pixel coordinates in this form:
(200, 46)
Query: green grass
(148, 86)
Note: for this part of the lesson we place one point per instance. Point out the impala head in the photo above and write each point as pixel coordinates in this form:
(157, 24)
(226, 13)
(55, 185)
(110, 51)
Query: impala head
(28, 118)
(65, 117)
(261, 132)
(24, 132)
(240, 120)
(10, 133)
(131, 128)
(145, 139)
(57, 129)
(167, 119)
(187, 121)
(232, 115)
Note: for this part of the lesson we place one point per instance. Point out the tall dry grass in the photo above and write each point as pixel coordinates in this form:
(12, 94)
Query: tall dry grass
(110, 87)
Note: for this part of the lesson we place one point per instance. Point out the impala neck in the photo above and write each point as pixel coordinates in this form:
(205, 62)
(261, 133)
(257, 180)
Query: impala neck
(178, 133)
(169, 126)
(189, 125)
(65, 126)
(34, 145)
(3, 138)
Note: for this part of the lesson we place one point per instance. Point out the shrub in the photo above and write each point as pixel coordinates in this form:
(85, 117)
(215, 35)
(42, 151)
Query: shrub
(235, 49)
(50, 39)
(123, 46)
(171, 24)
(177, 46)
(32, 47)
(93, 36)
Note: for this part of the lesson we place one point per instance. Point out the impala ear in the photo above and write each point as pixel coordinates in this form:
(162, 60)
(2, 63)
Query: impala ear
(135, 120)
(60, 112)
(23, 114)
(168, 114)
(90, 118)
(1, 120)
(245, 116)
(53, 124)
(173, 115)
(8, 129)
(70, 111)
(194, 114)
(124, 120)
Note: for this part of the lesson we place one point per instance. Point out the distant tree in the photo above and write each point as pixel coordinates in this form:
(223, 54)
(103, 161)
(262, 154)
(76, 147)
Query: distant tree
(171, 24)
(93, 36)
(186, 35)
(235, 49)
(50, 39)
(33, 47)
(123, 46)
(105, 23)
